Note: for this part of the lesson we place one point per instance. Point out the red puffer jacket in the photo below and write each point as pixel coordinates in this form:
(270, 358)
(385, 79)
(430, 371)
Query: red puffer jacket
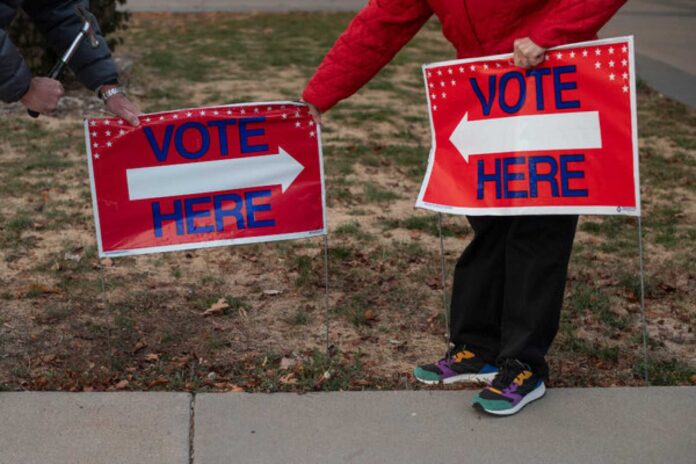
(475, 28)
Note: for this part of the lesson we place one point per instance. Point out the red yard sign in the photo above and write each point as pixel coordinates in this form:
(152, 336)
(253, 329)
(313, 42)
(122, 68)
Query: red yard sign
(206, 177)
(560, 138)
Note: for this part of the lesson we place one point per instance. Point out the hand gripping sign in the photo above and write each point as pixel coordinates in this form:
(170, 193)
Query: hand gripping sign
(206, 177)
(560, 138)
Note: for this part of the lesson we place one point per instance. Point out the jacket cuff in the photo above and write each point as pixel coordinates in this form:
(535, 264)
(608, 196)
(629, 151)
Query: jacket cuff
(543, 40)
(322, 104)
(98, 73)
(14, 88)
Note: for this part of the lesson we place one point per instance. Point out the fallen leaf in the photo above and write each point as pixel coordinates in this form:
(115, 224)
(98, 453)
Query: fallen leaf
(287, 363)
(288, 379)
(41, 289)
(121, 385)
(152, 357)
(139, 346)
(229, 387)
(370, 315)
(272, 292)
(69, 256)
(107, 262)
(216, 308)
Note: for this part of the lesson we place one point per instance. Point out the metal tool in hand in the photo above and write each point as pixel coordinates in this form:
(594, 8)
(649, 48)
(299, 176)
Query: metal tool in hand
(86, 31)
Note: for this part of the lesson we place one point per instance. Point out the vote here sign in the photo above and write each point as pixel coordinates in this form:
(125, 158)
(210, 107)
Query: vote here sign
(560, 138)
(206, 177)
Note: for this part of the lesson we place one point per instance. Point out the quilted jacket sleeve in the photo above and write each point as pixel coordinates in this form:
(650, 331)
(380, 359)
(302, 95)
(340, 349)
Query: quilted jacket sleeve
(14, 73)
(372, 39)
(573, 21)
(58, 19)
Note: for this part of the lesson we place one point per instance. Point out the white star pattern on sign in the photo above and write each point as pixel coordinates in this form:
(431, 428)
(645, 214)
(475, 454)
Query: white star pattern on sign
(94, 134)
(624, 62)
(216, 112)
(434, 96)
(439, 72)
(461, 69)
(485, 66)
(572, 54)
(612, 76)
(497, 65)
(311, 123)
(269, 108)
(161, 118)
(96, 144)
(176, 116)
(611, 50)
(434, 107)
(189, 114)
(242, 111)
(148, 119)
(444, 95)
(559, 55)
(108, 133)
(611, 64)
(298, 124)
(584, 53)
(450, 72)
(431, 85)
(107, 122)
(121, 132)
(597, 65)
(285, 116)
(312, 133)
(256, 110)
(120, 121)
(598, 52)
(472, 67)
(202, 112)
(624, 49)
(625, 75)
(93, 123)
(430, 74)
(442, 84)
(108, 144)
(625, 88)
(453, 82)
(97, 156)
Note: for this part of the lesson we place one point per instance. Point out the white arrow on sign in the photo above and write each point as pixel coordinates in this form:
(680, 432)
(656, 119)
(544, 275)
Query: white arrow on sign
(213, 176)
(560, 131)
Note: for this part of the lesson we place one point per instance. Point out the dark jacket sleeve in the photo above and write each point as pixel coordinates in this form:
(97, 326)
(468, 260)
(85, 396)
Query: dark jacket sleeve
(59, 20)
(15, 76)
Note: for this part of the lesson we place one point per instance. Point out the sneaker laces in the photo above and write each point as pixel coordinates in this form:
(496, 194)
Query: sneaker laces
(509, 369)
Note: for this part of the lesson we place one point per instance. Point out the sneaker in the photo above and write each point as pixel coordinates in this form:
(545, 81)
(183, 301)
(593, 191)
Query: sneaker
(459, 365)
(513, 388)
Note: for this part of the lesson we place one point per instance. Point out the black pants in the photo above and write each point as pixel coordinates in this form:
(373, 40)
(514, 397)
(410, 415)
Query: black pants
(508, 287)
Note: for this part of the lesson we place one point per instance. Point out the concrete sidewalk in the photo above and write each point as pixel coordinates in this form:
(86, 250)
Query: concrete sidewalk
(665, 32)
(639, 425)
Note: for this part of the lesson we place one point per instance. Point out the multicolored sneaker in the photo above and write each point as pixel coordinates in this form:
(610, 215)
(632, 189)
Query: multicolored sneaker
(459, 365)
(513, 388)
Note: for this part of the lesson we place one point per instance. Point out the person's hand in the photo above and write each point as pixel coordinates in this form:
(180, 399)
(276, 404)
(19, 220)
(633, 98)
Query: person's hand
(122, 107)
(316, 114)
(527, 54)
(43, 94)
